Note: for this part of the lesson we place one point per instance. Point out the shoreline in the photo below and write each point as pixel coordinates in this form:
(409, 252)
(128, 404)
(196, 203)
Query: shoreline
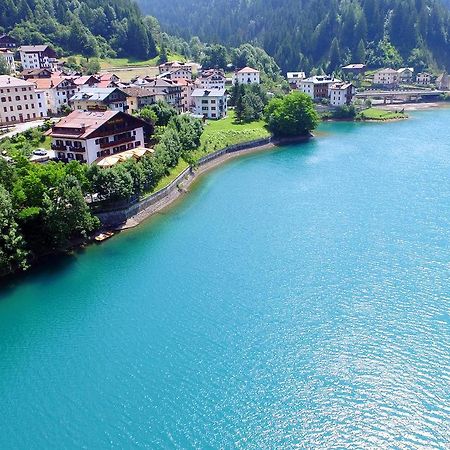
(194, 174)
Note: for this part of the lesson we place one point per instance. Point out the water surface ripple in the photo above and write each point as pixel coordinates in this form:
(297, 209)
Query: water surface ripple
(298, 298)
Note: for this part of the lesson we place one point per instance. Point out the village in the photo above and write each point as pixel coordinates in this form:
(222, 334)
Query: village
(95, 116)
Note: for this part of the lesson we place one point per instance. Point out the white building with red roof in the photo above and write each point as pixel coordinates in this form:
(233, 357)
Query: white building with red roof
(247, 75)
(85, 136)
(55, 92)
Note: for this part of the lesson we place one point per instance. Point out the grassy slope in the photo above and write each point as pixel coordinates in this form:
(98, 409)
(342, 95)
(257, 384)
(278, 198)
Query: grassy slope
(221, 133)
(174, 172)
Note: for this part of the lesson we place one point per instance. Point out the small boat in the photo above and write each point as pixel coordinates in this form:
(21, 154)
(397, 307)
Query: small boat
(103, 236)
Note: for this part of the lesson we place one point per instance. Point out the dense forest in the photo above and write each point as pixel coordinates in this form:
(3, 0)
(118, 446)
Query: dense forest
(321, 34)
(88, 27)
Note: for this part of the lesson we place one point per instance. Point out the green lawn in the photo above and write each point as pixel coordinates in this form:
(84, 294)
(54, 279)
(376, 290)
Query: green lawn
(224, 132)
(117, 63)
(380, 114)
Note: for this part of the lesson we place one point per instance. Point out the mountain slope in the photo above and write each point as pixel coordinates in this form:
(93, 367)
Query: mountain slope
(89, 27)
(302, 34)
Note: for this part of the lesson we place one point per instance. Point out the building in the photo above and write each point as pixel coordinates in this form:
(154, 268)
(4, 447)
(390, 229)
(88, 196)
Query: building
(38, 57)
(167, 90)
(211, 104)
(294, 79)
(247, 75)
(17, 100)
(87, 135)
(170, 66)
(211, 79)
(99, 99)
(138, 98)
(36, 73)
(107, 80)
(177, 74)
(318, 86)
(443, 82)
(57, 92)
(187, 88)
(386, 77)
(86, 81)
(424, 78)
(406, 74)
(7, 42)
(355, 69)
(341, 94)
(8, 55)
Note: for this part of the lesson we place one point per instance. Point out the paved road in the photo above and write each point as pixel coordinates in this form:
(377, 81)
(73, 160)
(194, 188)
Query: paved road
(21, 127)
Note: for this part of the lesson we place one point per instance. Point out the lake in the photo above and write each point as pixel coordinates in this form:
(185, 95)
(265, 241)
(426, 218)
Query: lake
(298, 297)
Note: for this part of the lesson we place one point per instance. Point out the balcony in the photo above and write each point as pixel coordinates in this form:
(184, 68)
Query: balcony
(67, 148)
(117, 142)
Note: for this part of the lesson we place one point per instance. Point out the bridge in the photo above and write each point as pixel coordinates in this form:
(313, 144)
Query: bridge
(405, 95)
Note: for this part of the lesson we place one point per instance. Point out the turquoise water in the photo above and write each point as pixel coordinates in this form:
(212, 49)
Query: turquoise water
(298, 297)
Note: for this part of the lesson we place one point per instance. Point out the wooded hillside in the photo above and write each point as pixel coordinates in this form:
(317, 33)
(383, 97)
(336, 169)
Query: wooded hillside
(302, 34)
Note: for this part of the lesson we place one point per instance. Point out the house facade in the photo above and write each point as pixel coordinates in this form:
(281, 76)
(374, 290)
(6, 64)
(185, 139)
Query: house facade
(187, 88)
(170, 66)
(406, 74)
(211, 104)
(168, 90)
(386, 77)
(424, 78)
(57, 92)
(177, 74)
(317, 87)
(7, 42)
(99, 99)
(138, 98)
(85, 136)
(341, 94)
(38, 57)
(295, 78)
(211, 79)
(17, 100)
(247, 75)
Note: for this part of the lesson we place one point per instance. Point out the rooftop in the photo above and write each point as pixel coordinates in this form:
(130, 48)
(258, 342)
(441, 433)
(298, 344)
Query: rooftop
(208, 93)
(94, 93)
(134, 91)
(296, 75)
(81, 124)
(248, 70)
(33, 48)
(319, 79)
(355, 66)
(9, 81)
